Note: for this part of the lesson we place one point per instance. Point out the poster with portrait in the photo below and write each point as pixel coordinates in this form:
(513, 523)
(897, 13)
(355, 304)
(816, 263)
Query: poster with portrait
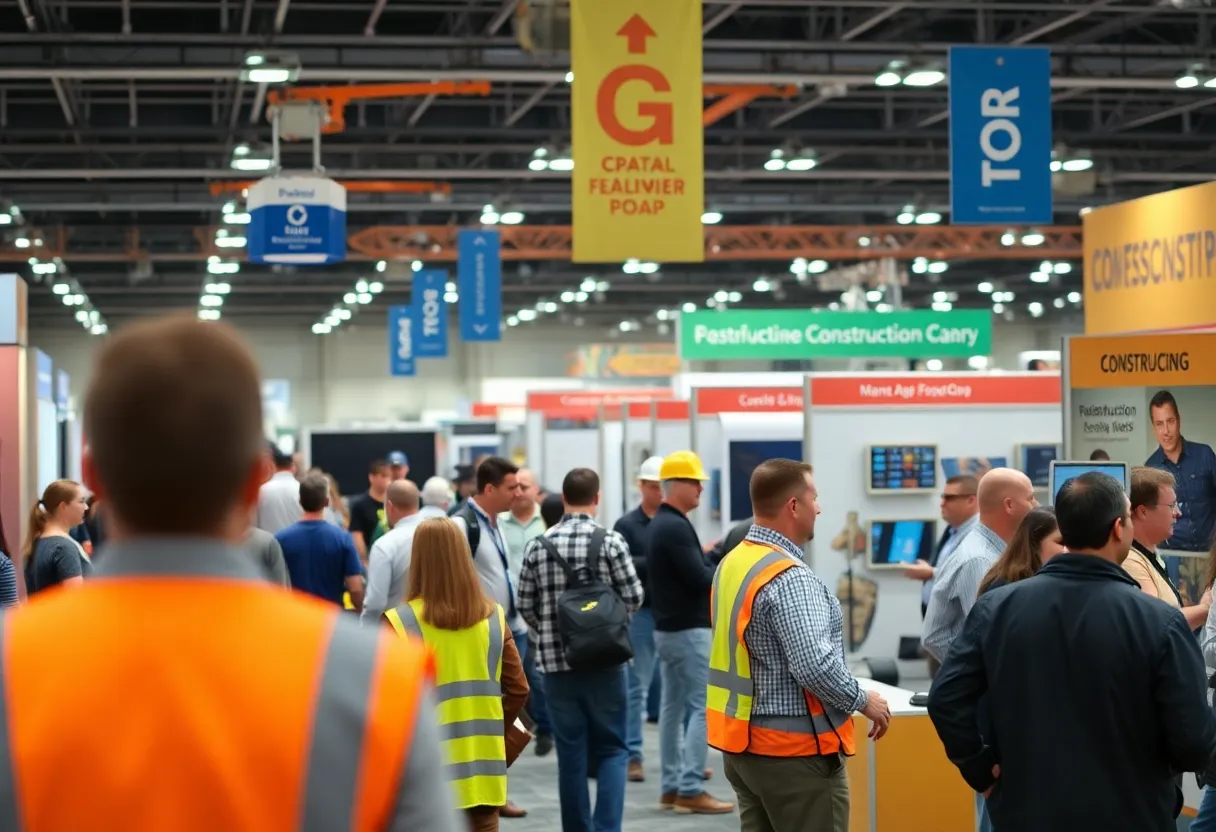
(1148, 400)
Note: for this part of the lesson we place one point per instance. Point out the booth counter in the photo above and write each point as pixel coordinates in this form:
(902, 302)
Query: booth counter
(904, 781)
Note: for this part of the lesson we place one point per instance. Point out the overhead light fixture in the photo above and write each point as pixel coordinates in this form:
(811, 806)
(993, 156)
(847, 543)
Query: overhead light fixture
(22, 242)
(375, 287)
(907, 216)
(734, 297)
(985, 288)
(567, 297)
(776, 160)
(249, 158)
(217, 288)
(489, 215)
(761, 285)
(1033, 238)
(270, 67)
(526, 314)
(1008, 238)
(513, 321)
(688, 306)
(238, 218)
(1040, 277)
(570, 77)
(225, 240)
(217, 266)
(581, 296)
(211, 301)
(6, 219)
(928, 218)
(588, 284)
(540, 159)
(321, 329)
(1035, 308)
(450, 297)
(416, 266)
(61, 288)
(711, 218)
(998, 308)
(511, 217)
(381, 265)
(874, 296)
(721, 295)
(364, 297)
(892, 76)
(978, 362)
(924, 77)
(806, 160)
(934, 365)
(561, 163)
(208, 314)
(1058, 303)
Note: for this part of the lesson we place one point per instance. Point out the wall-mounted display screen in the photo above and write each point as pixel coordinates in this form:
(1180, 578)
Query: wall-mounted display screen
(745, 455)
(346, 455)
(1035, 462)
(1062, 472)
(902, 469)
(976, 466)
(896, 543)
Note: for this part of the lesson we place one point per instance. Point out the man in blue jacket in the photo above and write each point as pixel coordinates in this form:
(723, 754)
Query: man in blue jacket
(1096, 691)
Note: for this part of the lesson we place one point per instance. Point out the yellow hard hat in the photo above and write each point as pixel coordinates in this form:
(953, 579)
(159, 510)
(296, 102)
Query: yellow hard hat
(682, 465)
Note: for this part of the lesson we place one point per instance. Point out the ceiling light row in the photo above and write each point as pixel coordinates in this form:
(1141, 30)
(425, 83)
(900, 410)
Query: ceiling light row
(912, 215)
(789, 159)
(74, 297)
(234, 214)
(365, 291)
(492, 216)
(544, 158)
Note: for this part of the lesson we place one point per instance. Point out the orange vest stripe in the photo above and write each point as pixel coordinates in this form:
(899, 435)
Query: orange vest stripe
(733, 728)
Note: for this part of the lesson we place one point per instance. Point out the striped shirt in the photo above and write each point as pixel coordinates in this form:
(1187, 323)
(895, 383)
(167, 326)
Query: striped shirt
(8, 582)
(796, 640)
(957, 586)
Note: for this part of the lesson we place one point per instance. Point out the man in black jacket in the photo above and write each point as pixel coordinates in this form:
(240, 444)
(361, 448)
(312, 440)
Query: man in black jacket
(1096, 692)
(680, 577)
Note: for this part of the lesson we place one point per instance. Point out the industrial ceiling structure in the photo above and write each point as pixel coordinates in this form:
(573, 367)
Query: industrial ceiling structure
(123, 122)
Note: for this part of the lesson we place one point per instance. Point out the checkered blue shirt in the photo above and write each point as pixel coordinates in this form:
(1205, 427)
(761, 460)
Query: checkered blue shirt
(796, 640)
(542, 581)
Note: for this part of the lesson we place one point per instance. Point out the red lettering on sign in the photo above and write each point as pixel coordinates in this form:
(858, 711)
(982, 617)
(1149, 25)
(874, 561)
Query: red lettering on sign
(660, 113)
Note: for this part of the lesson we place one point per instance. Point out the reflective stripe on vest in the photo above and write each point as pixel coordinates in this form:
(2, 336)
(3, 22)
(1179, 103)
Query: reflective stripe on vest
(470, 710)
(730, 692)
(340, 718)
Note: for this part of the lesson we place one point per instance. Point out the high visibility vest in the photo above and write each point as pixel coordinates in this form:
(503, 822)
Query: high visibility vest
(468, 690)
(730, 693)
(212, 704)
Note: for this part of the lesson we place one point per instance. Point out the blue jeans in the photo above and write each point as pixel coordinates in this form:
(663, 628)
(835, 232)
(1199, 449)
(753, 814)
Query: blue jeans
(589, 711)
(1205, 821)
(641, 671)
(982, 822)
(683, 746)
(537, 706)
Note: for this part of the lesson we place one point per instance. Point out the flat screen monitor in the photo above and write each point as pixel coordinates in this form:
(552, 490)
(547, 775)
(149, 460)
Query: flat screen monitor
(745, 455)
(1035, 462)
(901, 469)
(896, 543)
(976, 466)
(347, 455)
(1062, 472)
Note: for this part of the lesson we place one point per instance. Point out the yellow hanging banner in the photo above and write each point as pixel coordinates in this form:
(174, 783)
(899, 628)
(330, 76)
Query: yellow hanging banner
(639, 163)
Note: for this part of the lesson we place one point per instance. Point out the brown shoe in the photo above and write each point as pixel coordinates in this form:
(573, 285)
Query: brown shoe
(703, 804)
(707, 774)
(636, 774)
(512, 811)
(668, 801)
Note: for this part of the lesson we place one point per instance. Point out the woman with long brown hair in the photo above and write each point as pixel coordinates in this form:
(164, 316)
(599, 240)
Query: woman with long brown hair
(480, 683)
(49, 555)
(1036, 541)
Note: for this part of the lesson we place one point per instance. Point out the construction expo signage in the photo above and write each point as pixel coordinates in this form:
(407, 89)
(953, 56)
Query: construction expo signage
(638, 180)
(775, 334)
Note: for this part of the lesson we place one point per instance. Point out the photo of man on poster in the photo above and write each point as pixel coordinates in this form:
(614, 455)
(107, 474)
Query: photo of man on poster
(1193, 465)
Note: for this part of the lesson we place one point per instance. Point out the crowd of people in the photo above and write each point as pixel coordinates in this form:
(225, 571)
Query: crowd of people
(431, 631)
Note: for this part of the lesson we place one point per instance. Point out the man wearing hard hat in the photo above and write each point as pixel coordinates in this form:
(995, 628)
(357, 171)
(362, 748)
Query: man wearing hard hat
(680, 578)
(634, 527)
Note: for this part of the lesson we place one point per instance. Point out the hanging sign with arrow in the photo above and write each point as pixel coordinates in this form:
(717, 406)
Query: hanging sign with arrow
(479, 279)
(638, 180)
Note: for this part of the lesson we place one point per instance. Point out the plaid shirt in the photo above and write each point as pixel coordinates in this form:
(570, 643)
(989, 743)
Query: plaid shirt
(542, 581)
(796, 640)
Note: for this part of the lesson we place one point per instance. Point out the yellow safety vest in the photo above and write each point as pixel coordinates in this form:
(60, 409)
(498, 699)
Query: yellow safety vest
(468, 689)
(730, 693)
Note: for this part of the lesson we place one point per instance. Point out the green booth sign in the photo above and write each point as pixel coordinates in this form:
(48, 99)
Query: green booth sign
(743, 334)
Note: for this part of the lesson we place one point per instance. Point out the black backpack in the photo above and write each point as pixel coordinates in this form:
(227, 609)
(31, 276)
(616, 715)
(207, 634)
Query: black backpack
(592, 620)
(472, 526)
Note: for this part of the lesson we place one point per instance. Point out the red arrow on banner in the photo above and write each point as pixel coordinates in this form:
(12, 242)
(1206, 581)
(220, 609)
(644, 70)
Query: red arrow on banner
(635, 31)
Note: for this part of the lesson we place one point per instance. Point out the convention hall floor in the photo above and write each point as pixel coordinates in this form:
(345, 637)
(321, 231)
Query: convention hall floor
(533, 785)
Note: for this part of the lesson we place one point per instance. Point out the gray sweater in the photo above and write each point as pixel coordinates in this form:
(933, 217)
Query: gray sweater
(268, 554)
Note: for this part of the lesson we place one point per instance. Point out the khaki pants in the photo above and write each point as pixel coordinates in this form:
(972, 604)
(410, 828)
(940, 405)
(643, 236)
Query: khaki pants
(790, 794)
(482, 818)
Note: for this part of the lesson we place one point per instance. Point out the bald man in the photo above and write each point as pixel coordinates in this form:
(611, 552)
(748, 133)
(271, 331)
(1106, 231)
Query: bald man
(388, 563)
(1004, 497)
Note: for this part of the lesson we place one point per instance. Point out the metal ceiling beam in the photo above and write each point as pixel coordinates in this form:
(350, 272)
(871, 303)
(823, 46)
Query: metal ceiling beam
(374, 18)
(1059, 23)
(501, 16)
(420, 110)
(868, 24)
(1172, 111)
(532, 101)
(719, 17)
(538, 76)
(799, 109)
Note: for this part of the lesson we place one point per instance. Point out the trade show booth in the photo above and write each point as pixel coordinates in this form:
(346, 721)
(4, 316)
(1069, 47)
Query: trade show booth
(1134, 398)
(882, 447)
(45, 419)
(732, 430)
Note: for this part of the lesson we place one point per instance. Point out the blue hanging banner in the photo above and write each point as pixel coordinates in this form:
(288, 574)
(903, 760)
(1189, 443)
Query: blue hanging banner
(297, 219)
(401, 340)
(479, 276)
(1000, 135)
(431, 314)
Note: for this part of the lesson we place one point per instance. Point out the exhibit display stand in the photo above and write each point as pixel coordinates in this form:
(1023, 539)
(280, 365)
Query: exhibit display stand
(732, 430)
(1148, 400)
(904, 781)
(346, 453)
(16, 462)
(466, 440)
(625, 442)
(44, 419)
(882, 447)
(670, 429)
